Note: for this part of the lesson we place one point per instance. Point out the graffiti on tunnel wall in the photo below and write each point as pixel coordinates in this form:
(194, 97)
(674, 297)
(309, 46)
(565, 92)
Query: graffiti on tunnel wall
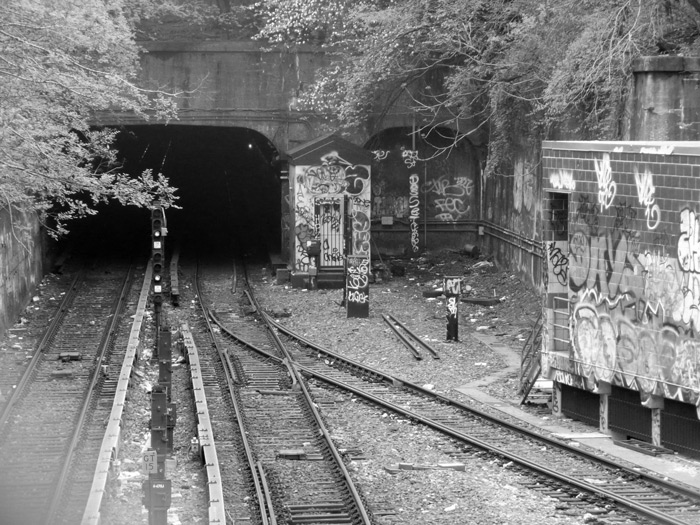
(320, 193)
(633, 276)
(452, 198)
(443, 191)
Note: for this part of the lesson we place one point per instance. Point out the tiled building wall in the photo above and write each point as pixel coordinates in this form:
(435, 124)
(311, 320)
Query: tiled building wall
(632, 250)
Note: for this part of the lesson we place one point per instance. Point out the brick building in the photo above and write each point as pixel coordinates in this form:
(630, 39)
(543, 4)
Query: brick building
(621, 231)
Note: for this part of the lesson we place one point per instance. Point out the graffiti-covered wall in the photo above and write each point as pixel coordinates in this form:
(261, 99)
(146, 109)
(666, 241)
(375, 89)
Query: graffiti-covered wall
(622, 236)
(511, 207)
(330, 203)
(421, 200)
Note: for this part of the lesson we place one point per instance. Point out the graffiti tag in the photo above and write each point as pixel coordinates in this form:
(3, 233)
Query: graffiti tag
(559, 263)
(646, 190)
(606, 186)
(563, 180)
(414, 209)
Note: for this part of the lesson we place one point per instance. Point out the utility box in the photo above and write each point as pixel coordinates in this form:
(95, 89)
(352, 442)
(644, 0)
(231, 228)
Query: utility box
(313, 248)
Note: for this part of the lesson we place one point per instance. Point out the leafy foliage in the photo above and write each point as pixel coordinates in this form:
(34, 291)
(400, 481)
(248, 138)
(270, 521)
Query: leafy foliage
(516, 69)
(60, 62)
(296, 22)
(191, 19)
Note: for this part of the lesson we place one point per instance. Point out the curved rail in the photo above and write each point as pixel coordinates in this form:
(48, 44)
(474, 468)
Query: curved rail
(278, 411)
(291, 366)
(289, 362)
(266, 512)
(641, 509)
(664, 483)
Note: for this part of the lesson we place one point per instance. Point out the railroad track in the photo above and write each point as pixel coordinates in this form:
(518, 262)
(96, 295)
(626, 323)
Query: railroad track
(43, 426)
(583, 480)
(298, 475)
(588, 482)
(221, 441)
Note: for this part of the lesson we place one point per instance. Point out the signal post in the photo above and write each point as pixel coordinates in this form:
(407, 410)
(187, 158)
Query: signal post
(157, 489)
(158, 232)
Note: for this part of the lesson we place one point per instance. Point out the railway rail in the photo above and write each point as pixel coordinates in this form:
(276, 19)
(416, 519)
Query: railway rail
(297, 474)
(595, 484)
(268, 456)
(47, 426)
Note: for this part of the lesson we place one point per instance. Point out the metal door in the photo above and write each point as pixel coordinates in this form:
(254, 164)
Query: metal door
(680, 428)
(581, 405)
(328, 214)
(627, 415)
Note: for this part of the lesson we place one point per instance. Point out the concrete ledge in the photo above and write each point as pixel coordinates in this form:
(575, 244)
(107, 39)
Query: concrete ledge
(670, 64)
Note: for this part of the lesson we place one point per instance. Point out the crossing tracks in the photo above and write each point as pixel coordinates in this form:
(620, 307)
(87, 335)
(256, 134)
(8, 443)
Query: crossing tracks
(294, 472)
(593, 484)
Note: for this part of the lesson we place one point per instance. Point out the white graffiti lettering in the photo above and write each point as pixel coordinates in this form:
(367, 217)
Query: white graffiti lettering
(451, 208)
(356, 296)
(452, 305)
(414, 207)
(663, 150)
(606, 186)
(357, 280)
(454, 203)
(563, 180)
(410, 157)
(688, 242)
(646, 190)
(453, 286)
(380, 154)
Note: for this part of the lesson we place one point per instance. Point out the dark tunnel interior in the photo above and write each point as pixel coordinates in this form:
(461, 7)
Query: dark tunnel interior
(227, 181)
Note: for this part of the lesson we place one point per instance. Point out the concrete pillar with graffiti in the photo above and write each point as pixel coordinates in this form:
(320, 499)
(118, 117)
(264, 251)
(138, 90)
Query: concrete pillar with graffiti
(452, 288)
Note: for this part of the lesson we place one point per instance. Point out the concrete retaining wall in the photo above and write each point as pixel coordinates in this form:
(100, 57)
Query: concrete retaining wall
(21, 267)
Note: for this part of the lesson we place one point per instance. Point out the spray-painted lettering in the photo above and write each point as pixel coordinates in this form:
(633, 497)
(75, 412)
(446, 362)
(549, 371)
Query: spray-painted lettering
(558, 262)
(414, 208)
(606, 186)
(563, 180)
(646, 190)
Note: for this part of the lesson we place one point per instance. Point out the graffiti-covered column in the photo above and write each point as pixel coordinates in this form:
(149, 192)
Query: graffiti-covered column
(357, 287)
(414, 201)
(452, 289)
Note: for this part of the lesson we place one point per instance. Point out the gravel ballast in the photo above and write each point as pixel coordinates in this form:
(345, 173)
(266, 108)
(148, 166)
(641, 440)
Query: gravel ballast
(404, 476)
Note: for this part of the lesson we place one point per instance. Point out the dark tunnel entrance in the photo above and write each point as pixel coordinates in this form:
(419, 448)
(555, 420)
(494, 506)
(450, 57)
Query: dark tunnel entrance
(228, 188)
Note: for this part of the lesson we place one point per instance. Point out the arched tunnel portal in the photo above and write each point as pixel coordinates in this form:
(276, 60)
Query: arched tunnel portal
(227, 181)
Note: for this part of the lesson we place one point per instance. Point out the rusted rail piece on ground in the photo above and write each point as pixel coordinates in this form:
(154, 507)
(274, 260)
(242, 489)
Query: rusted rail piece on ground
(409, 339)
